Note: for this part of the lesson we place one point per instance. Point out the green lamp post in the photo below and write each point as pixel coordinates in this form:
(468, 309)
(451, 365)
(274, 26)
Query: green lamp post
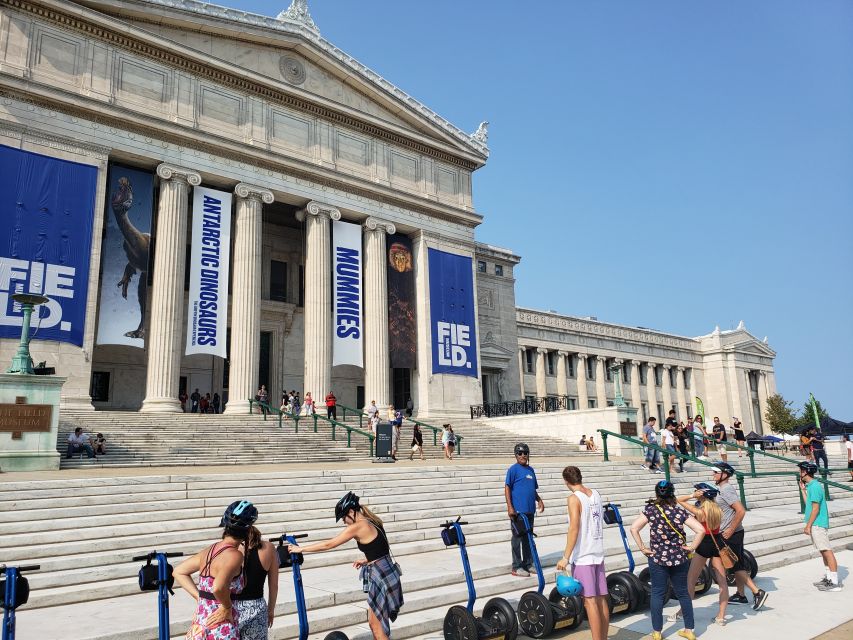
(23, 362)
(616, 374)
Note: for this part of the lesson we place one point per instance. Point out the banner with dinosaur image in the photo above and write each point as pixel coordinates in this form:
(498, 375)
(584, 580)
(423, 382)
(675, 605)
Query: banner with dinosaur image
(125, 257)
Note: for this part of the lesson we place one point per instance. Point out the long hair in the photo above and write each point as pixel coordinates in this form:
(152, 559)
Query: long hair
(713, 515)
(371, 516)
(255, 538)
(664, 502)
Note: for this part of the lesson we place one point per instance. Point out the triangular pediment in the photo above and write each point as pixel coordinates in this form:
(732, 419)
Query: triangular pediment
(291, 58)
(491, 352)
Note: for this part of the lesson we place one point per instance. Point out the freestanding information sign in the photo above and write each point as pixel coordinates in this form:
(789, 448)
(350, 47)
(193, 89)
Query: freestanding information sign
(383, 442)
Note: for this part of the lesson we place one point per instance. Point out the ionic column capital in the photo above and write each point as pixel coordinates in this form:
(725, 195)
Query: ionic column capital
(562, 354)
(682, 369)
(652, 364)
(763, 374)
(636, 363)
(246, 190)
(582, 356)
(522, 348)
(541, 350)
(601, 358)
(377, 224)
(619, 361)
(318, 209)
(166, 171)
(666, 367)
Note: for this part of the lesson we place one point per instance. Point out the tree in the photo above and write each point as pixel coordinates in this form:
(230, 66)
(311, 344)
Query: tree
(780, 414)
(807, 415)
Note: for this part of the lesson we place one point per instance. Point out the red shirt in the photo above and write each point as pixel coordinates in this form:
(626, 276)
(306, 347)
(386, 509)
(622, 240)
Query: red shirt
(330, 400)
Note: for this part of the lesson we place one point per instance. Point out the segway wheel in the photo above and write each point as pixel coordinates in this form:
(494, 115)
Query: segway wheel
(569, 612)
(460, 624)
(336, 635)
(646, 579)
(750, 562)
(642, 597)
(535, 615)
(621, 595)
(705, 581)
(498, 613)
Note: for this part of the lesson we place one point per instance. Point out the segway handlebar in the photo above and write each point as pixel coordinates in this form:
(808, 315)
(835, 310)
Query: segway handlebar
(29, 567)
(283, 537)
(450, 523)
(150, 556)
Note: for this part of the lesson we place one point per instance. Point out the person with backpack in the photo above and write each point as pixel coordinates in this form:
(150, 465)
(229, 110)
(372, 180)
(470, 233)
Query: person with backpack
(221, 577)
(379, 573)
(668, 554)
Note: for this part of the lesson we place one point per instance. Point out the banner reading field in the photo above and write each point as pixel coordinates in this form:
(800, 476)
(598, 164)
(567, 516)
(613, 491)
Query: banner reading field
(347, 264)
(207, 309)
(47, 206)
(451, 296)
(124, 257)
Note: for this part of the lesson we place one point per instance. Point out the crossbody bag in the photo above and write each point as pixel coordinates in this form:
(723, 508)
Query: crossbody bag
(727, 556)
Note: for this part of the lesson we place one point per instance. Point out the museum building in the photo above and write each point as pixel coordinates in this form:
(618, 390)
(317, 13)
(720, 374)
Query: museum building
(215, 200)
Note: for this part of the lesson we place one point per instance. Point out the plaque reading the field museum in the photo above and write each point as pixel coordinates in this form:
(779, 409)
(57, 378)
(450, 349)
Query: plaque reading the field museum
(21, 417)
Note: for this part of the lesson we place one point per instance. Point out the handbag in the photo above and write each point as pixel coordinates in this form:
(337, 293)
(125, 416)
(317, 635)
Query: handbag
(677, 532)
(727, 556)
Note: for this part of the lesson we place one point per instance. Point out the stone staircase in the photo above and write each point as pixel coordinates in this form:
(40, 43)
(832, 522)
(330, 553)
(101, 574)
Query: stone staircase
(192, 439)
(84, 532)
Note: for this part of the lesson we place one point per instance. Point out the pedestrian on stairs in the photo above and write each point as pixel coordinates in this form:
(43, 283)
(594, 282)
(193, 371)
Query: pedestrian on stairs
(331, 406)
(817, 524)
(417, 442)
(520, 493)
(194, 398)
(379, 573)
(448, 441)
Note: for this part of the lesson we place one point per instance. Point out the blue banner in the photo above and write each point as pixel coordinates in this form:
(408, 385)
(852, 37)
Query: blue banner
(47, 207)
(451, 298)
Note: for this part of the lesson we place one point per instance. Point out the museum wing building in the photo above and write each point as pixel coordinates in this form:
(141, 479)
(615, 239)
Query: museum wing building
(218, 200)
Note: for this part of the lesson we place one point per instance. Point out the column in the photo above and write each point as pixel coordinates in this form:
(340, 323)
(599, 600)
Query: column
(636, 400)
(541, 388)
(680, 393)
(246, 297)
(377, 361)
(562, 384)
(600, 389)
(667, 392)
(163, 341)
(762, 400)
(651, 396)
(521, 363)
(318, 297)
(583, 393)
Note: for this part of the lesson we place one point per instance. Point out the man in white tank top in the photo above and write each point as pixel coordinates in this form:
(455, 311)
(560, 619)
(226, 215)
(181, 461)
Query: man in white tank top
(585, 550)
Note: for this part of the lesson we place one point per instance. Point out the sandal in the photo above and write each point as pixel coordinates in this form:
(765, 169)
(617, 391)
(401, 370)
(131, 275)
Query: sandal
(720, 622)
(673, 617)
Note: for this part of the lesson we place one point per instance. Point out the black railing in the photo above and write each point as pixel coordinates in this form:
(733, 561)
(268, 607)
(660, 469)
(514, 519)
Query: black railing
(519, 407)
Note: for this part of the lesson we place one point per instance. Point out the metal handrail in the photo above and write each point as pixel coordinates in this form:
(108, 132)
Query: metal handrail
(265, 408)
(349, 429)
(435, 430)
(519, 407)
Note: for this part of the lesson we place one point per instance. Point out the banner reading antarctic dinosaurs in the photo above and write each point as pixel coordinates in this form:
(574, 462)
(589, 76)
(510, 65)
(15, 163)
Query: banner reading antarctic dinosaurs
(451, 306)
(207, 310)
(401, 303)
(124, 257)
(47, 206)
(347, 255)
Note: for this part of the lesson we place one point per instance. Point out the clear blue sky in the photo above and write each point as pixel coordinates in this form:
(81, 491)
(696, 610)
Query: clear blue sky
(685, 164)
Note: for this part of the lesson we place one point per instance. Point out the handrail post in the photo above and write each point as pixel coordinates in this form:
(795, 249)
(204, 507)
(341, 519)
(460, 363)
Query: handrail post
(800, 492)
(751, 454)
(334, 426)
(823, 474)
(434, 438)
(371, 445)
(264, 411)
(361, 421)
(742, 491)
(349, 437)
(314, 415)
(604, 442)
(296, 424)
(666, 466)
(250, 406)
(279, 419)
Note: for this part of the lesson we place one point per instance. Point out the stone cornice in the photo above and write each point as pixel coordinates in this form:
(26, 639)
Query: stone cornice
(60, 143)
(546, 320)
(166, 171)
(375, 224)
(105, 28)
(246, 190)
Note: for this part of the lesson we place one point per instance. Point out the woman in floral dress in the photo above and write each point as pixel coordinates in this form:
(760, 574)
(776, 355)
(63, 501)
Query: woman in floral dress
(668, 553)
(220, 568)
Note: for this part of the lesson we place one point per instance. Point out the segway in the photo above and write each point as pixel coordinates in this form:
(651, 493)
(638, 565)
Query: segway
(750, 564)
(160, 579)
(16, 592)
(498, 621)
(537, 615)
(293, 561)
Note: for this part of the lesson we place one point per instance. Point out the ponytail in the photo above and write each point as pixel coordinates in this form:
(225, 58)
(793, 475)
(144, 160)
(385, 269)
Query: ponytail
(371, 516)
(255, 538)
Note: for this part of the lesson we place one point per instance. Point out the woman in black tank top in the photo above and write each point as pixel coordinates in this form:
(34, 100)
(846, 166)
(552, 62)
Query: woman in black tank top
(254, 615)
(379, 573)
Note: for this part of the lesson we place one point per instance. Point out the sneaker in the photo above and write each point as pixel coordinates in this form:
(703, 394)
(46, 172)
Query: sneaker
(830, 586)
(658, 470)
(759, 599)
(656, 635)
(687, 633)
(738, 599)
(521, 573)
(821, 582)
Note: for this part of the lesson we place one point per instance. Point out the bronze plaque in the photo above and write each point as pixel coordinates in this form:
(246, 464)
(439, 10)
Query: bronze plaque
(628, 428)
(25, 417)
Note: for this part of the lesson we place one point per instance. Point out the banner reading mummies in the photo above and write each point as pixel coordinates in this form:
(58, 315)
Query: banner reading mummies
(207, 309)
(401, 303)
(125, 257)
(47, 206)
(348, 335)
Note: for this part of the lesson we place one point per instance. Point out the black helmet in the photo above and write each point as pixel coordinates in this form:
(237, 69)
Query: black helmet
(665, 489)
(726, 468)
(239, 515)
(349, 501)
(707, 490)
(522, 447)
(809, 467)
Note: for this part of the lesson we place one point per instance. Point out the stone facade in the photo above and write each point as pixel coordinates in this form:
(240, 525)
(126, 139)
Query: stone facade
(302, 135)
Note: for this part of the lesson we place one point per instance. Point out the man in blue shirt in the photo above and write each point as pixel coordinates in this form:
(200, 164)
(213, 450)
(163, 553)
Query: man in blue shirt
(817, 524)
(521, 497)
